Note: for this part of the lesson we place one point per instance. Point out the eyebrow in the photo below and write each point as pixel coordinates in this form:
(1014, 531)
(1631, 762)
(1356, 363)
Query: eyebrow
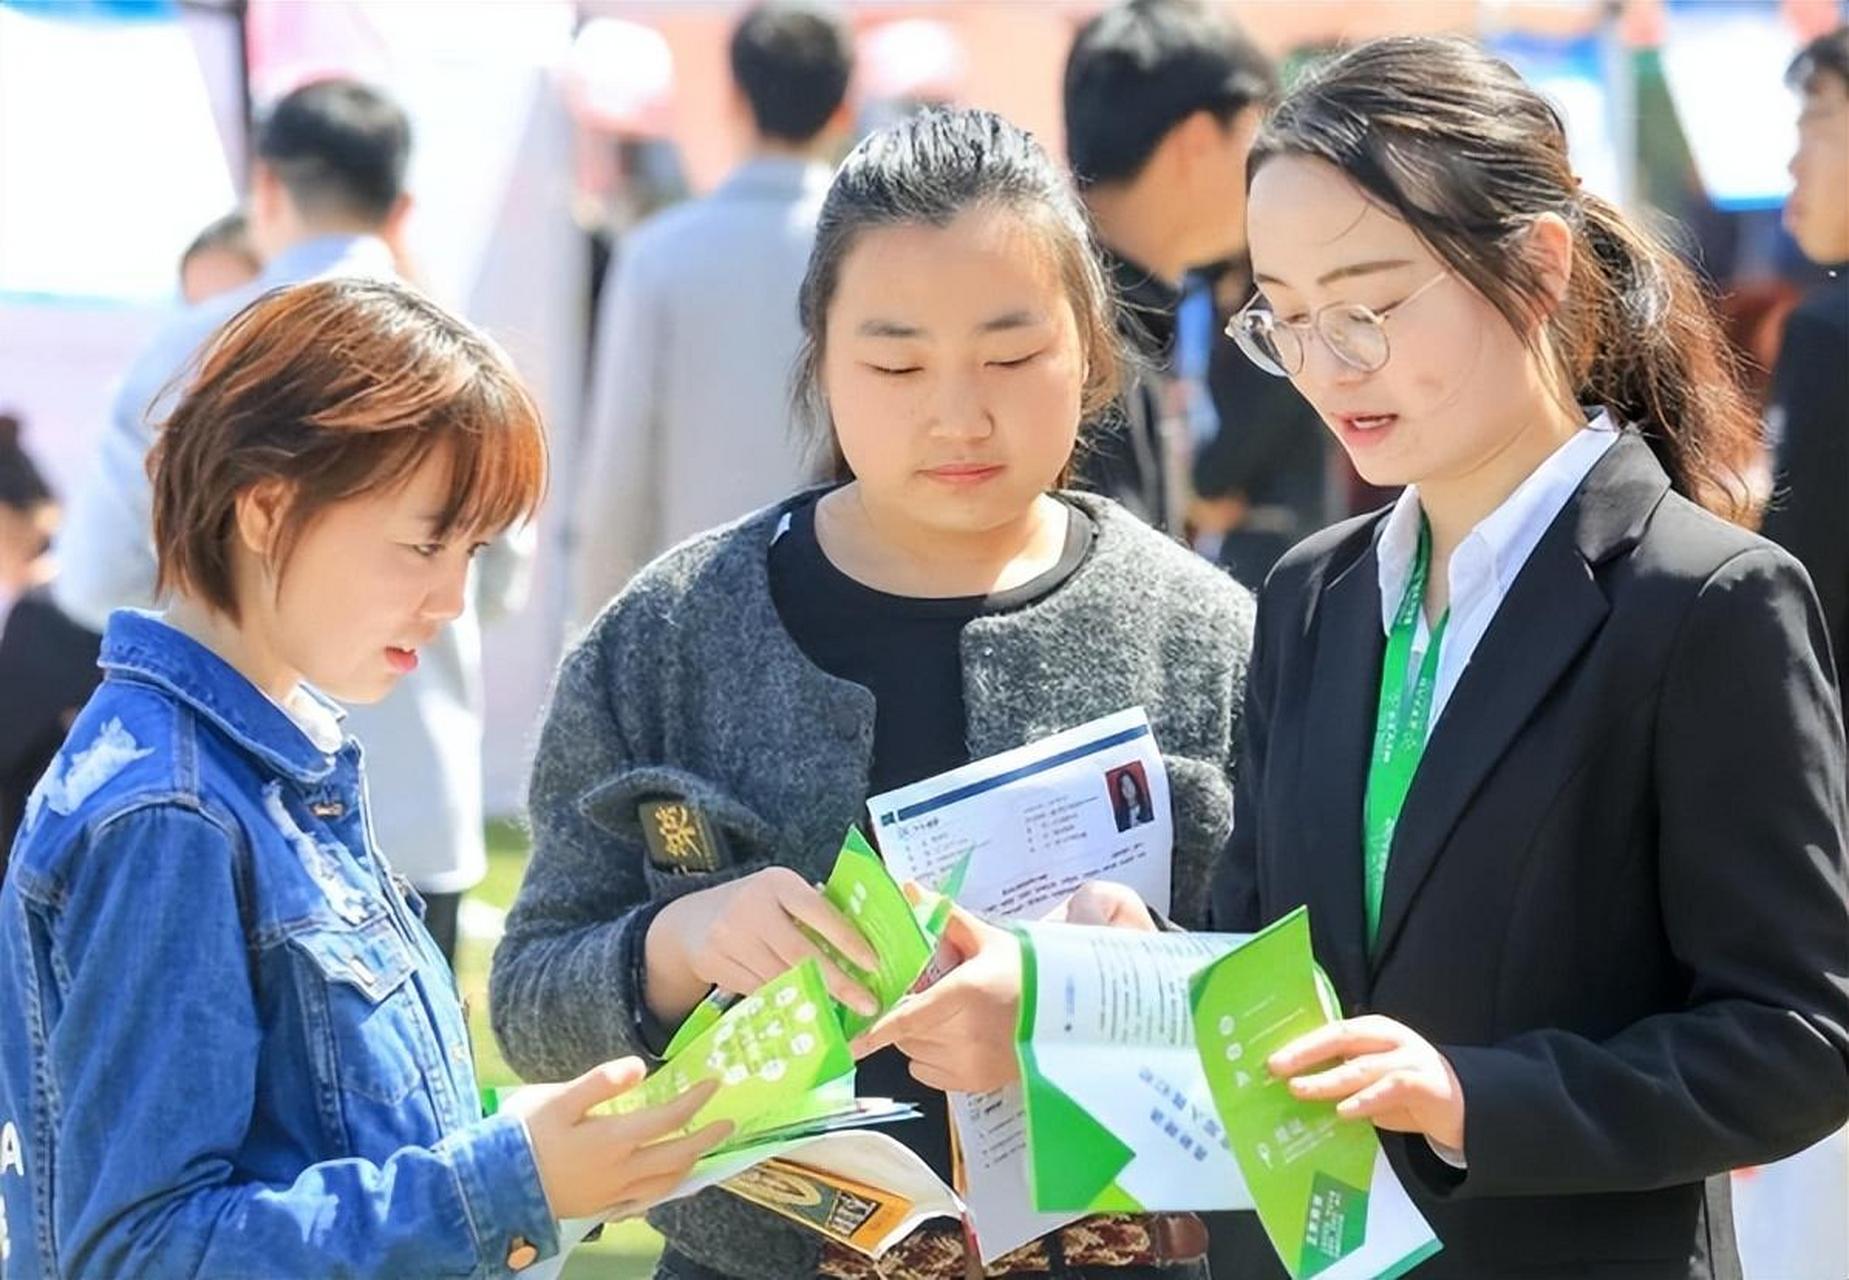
(878, 328)
(1348, 272)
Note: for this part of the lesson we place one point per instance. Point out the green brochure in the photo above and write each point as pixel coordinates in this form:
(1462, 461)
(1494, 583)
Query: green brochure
(781, 1053)
(904, 936)
(1120, 1117)
(1323, 1188)
(783, 1068)
(769, 1052)
(861, 889)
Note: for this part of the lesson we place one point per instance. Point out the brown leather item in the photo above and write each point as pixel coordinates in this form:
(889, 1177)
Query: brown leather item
(937, 1251)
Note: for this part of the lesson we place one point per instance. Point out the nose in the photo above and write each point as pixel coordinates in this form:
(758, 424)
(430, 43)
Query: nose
(1322, 367)
(447, 596)
(961, 411)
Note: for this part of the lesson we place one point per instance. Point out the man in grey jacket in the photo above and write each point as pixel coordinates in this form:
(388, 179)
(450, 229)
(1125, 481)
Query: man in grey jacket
(327, 199)
(689, 424)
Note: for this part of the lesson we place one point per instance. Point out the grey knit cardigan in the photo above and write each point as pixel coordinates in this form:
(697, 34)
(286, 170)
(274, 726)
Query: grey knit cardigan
(689, 686)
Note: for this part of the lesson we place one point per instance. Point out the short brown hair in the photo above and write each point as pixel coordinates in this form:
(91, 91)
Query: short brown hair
(337, 388)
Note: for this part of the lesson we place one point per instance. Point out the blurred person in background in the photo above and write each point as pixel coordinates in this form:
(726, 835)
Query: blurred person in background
(220, 258)
(1262, 470)
(47, 663)
(327, 199)
(1162, 98)
(689, 421)
(1807, 417)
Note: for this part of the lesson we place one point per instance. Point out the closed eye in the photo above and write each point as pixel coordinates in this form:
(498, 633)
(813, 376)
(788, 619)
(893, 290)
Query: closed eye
(1016, 364)
(893, 371)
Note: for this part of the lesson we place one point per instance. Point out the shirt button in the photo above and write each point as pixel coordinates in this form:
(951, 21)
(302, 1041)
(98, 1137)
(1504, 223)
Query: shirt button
(847, 721)
(521, 1254)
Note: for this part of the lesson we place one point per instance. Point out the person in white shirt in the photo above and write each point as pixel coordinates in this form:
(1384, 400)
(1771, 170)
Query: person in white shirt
(689, 423)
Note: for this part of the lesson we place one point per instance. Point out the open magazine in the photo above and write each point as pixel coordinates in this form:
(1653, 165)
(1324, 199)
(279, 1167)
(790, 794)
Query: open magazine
(1142, 1060)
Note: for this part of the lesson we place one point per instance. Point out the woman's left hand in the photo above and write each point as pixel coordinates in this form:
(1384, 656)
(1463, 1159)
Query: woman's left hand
(959, 1032)
(1387, 1073)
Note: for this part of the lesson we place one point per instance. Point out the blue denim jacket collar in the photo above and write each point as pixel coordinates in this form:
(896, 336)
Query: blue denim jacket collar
(141, 646)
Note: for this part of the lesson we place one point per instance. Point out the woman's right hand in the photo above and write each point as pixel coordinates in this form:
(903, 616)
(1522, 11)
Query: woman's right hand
(738, 936)
(590, 1164)
(1107, 903)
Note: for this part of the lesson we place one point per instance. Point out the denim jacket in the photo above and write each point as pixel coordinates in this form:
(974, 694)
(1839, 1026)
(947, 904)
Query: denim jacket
(228, 1047)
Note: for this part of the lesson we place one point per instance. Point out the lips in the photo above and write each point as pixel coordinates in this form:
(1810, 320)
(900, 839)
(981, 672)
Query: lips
(1359, 430)
(403, 661)
(964, 472)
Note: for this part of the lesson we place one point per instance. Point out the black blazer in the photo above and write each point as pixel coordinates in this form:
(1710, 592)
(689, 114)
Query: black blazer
(1616, 895)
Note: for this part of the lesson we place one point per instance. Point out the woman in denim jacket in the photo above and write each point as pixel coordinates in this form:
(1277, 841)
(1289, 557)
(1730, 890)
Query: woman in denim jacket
(228, 1047)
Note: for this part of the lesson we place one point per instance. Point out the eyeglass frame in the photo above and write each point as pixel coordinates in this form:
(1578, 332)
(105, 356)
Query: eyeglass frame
(1314, 325)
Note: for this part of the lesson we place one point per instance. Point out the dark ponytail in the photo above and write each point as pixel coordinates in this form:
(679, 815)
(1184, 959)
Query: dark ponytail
(1454, 142)
(1652, 351)
(22, 487)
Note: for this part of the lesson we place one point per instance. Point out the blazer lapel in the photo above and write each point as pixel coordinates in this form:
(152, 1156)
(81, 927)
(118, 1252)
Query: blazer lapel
(1554, 607)
(1335, 749)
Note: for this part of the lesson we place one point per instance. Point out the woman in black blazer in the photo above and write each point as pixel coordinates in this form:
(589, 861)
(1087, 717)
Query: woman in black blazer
(1578, 874)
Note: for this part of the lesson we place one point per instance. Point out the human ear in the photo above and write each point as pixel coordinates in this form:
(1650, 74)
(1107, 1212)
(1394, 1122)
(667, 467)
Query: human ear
(1549, 250)
(258, 514)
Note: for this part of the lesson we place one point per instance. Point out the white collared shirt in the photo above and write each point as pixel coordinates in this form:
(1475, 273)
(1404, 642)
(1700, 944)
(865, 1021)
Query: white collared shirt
(1487, 561)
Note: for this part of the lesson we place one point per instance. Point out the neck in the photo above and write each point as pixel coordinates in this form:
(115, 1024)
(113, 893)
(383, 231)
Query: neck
(891, 551)
(764, 147)
(1136, 223)
(1457, 502)
(302, 233)
(242, 651)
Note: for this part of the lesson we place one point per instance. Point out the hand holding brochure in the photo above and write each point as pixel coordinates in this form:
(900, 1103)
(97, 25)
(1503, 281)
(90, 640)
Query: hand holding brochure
(1327, 1196)
(1120, 1116)
(1143, 1061)
(781, 1053)
(786, 1077)
(1010, 836)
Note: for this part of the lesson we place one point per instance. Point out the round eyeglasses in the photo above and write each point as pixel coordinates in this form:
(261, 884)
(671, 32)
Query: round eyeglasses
(1355, 335)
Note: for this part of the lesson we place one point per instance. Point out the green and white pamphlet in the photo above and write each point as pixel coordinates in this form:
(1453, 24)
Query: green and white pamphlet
(1329, 1200)
(1120, 1117)
(1142, 1060)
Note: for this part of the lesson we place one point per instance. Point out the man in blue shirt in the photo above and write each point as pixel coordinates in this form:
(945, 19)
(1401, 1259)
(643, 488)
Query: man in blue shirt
(327, 198)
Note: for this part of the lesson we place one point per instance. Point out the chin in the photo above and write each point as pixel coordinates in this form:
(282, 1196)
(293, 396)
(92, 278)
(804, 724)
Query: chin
(1380, 471)
(356, 692)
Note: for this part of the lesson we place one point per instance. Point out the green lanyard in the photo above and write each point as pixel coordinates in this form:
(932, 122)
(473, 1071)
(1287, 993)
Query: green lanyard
(1399, 728)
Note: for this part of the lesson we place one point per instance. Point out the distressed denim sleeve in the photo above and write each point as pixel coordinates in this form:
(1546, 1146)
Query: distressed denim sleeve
(151, 1055)
(567, 987)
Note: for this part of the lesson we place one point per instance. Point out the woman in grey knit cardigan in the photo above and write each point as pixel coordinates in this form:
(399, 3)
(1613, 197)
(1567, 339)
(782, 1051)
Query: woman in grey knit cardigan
(725, 719)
